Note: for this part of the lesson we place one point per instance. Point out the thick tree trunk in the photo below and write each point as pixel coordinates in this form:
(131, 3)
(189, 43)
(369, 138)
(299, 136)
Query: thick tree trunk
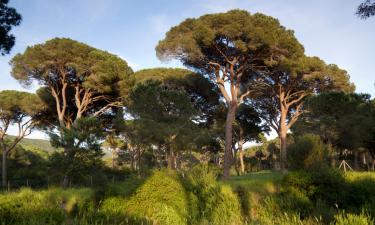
(283, 141)
(228, 156)
(4, 169)
(242, 164)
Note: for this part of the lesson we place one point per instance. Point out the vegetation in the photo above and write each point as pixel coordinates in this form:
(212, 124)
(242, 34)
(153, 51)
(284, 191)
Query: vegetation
(366, 9)
(166, 146)
(9, 18)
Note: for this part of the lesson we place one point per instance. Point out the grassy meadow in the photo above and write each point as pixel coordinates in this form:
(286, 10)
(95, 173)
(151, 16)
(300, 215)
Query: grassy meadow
(196, 197)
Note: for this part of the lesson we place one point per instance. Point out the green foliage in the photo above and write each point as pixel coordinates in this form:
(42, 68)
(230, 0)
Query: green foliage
(216, 204)
(227, 209)
(307, 152)
(83, 153)
(125, 188)
(325, 118)
(98, 69)
(321, 183)
(193, 41)
(352, 219)
(76, 80)
(50, 206)
(163, 115)
(16, 104)
(9, 18)
(36, 144)
(27, 167)
(152, 202)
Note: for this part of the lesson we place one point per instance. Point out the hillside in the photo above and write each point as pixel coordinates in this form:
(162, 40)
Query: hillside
(29, 143)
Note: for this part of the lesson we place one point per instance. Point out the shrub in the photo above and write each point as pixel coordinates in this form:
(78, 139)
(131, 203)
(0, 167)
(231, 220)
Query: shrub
(319, 184)
(112, 210)
(227, 210)
(49, 206)
(162, 199)
(307, 152)
(217, 204)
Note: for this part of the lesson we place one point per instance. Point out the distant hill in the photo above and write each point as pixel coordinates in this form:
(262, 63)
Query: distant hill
(29, 143)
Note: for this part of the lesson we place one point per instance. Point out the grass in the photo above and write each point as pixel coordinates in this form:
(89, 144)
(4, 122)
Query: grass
(263, 182)
(355, 176)
(258, 194)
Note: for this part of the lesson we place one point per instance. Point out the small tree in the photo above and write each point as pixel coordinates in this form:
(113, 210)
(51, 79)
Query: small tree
(231, 49)
(307, 152)
(8, 19)
(85, 155)
(22, 110)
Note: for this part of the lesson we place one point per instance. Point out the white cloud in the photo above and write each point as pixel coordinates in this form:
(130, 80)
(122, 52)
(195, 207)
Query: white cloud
(160, 23)
(132, 64)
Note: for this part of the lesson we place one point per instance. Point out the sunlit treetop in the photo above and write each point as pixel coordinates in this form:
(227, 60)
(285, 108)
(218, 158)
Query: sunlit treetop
(80, 80)
(255, 40)
(19, 104)
(80, 63)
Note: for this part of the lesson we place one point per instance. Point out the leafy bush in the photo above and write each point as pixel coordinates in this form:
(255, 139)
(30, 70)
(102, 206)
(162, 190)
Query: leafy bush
(307, 152)
(360, 193)
(162, 199)
(217, 204)
(320, 184)
(54, 205)
(227, 210)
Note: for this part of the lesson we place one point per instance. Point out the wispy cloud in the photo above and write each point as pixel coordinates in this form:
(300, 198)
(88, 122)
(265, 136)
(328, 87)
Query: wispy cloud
(132, 64)
(159, 23)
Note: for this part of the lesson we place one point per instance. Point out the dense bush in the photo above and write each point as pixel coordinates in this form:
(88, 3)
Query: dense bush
(307, 152)
(217, 204)
(323, 184)
(54, 205)
(162, 199)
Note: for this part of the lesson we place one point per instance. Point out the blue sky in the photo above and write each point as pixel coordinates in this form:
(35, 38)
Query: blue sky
(131, 29)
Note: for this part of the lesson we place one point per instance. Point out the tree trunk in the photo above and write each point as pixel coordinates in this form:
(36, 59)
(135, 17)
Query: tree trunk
(113, 159)
(242, 164)
(171, 158)
(178, 161)
(4, 169)
(283, 140)
(65, 182)
(356, 167)
(231, 115)
(66, 179)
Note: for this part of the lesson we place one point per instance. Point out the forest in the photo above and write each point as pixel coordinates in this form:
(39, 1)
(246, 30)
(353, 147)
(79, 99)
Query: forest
(189, 145)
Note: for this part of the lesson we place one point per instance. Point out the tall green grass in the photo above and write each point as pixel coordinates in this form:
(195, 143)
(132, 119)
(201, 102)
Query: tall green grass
(197, 198)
